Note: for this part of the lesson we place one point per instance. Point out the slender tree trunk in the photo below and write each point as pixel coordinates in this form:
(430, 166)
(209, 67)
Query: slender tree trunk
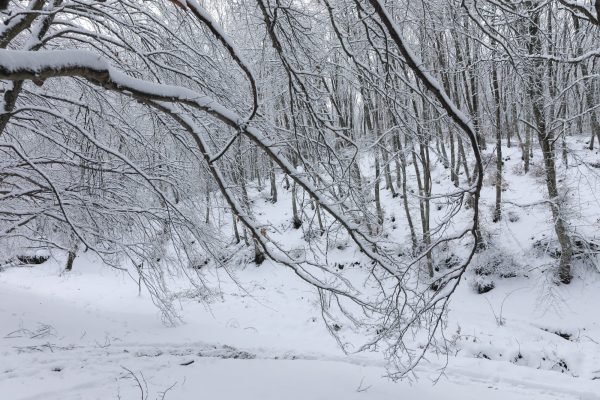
(409, 220)
(236, 232)
(378, 208)
(71, 256)
(496, 92)
(527, 149)
(207, 217)
(397, 162)
(272, 178)
(389, 185)
(589, 89)
(546, 139)
(461, 151)
(296, 220)
(453, 163)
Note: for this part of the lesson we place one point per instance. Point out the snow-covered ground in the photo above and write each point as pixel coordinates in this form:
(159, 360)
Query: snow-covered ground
(87, 334)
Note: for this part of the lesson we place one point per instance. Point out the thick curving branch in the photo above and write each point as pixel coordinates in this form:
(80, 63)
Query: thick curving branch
(203, 16)
(21, 65)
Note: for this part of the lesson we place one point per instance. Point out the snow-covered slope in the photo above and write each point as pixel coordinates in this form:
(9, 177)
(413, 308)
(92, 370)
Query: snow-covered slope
(89, 335)
(85, 335)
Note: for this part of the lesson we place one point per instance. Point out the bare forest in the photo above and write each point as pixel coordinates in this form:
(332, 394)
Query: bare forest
(411, 185)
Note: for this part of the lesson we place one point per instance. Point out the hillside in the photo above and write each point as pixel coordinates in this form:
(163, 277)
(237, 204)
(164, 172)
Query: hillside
(87, 334)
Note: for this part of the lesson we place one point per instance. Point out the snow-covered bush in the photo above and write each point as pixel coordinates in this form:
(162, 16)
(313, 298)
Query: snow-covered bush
(494, 261)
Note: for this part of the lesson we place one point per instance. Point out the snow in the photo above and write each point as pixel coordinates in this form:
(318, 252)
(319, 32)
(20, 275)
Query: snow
(15, 60)
(259, 332)
(88, 335)
(55, 63)
(70, 337)
(426, 78)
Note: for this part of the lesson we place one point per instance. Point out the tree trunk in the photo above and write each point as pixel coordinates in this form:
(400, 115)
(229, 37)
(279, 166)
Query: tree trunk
(71, 258)
(273, 183)
(546, 139)
(296, 220)
(496, 92)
